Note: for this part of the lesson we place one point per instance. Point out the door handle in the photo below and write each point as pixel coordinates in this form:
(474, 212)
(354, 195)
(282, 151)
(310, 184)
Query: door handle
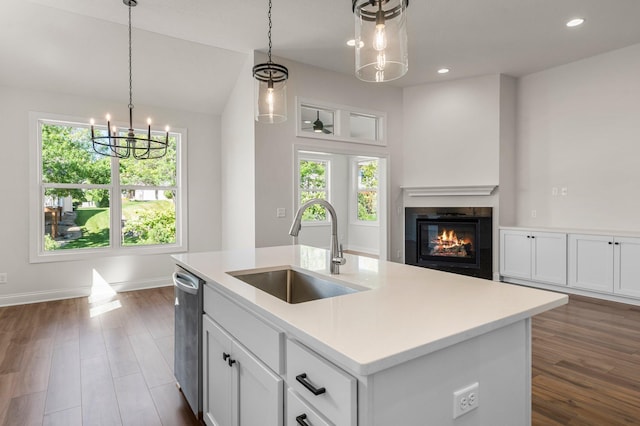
(302, 379)
(301, 420)
(183, 284)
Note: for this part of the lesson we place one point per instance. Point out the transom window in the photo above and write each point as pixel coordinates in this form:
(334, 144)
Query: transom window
(87, 203)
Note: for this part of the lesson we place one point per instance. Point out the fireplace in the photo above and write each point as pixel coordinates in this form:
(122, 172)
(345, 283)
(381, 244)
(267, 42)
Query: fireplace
(452, 239)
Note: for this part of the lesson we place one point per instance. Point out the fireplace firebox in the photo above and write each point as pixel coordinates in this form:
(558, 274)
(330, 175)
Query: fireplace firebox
(451, 239)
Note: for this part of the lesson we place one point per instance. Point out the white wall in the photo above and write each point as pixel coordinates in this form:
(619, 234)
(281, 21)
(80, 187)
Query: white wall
(451, 132)
(275, 147)
(579, 128)
(30, 282)
(237, 164)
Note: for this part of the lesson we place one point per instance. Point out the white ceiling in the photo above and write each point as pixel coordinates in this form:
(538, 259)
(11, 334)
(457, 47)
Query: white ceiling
(191, 50)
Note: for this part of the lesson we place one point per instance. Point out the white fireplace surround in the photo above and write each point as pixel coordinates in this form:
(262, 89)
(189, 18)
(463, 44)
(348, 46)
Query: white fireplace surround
(439, 191)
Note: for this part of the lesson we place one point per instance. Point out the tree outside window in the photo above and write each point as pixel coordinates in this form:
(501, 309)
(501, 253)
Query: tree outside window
(367, 195)
(313, 184)
(78, 187)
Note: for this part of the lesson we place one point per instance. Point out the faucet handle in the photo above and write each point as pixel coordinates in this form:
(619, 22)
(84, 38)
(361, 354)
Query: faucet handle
(339, 259)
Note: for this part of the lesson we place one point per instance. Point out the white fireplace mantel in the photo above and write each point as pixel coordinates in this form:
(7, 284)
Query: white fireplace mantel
(438, 191)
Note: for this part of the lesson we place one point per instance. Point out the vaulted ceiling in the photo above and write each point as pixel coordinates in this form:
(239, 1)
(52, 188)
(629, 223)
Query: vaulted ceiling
(189, 51)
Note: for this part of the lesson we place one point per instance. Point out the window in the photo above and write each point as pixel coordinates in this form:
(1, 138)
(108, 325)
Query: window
(367, 191)
(88, 203)
(313, 178)
(328, 121)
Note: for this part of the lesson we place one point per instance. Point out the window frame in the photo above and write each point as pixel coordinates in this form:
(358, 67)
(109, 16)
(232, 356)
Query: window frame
(37, 254)
(355, 190)
(342, 122)
(305, 156)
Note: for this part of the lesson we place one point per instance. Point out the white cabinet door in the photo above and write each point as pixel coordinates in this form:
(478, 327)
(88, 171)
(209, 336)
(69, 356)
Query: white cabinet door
(627, 266)
(515, 254)
(549, 261)
(260, 392)
(591, 262)
(217, 374)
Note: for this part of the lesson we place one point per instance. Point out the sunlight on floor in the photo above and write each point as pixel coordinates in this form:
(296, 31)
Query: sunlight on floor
(101, 296)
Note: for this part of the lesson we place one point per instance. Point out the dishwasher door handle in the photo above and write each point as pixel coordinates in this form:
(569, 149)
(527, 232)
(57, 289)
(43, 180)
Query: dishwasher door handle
(184, 283)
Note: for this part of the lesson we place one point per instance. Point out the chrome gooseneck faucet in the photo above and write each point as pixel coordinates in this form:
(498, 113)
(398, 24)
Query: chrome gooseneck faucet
(337, 258)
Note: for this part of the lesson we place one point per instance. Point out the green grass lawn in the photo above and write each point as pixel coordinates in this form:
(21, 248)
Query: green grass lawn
(95, 222)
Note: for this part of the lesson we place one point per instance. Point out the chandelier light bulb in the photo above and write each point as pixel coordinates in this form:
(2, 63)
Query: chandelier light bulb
(108, 117)
(149, 121)
(92, 121)
(380, 39)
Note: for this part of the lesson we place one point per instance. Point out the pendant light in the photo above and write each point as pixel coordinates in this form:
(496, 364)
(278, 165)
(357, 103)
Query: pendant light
(125, 146)
(381, 39)
(271, 88)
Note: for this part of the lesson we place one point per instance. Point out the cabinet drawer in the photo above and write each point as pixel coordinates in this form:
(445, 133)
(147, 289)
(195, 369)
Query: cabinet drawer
(337, 401)
(299, 413)
(255, 334)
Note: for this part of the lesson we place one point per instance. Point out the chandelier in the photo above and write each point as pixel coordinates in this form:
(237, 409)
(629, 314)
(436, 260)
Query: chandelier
(271, 88)
(116, 144)
(381, 39)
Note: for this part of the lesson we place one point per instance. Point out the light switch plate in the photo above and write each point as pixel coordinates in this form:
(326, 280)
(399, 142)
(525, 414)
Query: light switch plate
(281, 212)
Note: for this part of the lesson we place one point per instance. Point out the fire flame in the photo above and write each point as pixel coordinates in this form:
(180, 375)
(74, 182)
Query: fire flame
(449, 244)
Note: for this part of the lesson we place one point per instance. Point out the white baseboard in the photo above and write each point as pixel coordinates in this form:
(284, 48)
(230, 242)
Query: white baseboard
(59, 294)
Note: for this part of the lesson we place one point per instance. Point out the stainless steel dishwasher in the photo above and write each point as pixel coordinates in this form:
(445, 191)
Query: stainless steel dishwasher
(188, 337)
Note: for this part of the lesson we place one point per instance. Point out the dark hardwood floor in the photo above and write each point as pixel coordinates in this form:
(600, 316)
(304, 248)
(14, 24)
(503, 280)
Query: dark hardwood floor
(72, 362)
(586, 364)
(59, 365)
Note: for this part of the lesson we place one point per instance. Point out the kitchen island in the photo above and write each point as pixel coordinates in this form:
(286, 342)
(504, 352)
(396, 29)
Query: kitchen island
(410, 347)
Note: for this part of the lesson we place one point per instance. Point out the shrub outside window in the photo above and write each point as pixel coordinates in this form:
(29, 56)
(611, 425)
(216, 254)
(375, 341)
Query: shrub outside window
(367, 191)
(313, 184)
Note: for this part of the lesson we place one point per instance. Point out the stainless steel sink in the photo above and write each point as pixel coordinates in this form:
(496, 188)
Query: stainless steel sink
(293, 286)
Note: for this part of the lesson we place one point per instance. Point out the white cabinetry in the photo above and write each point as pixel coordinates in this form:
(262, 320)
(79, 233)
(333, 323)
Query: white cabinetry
(326, 387)
(533, 255)
(605, 263)
(238, 388)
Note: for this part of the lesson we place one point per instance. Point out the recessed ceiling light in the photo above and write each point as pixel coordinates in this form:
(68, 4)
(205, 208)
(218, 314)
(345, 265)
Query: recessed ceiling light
(352, 43)
(575, 22)
(443, 70)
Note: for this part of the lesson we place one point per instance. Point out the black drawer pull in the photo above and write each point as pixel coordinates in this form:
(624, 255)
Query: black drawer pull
(617, 243)
(301, 420)
(231, 362)
(302, 378)
(225, 356)
(610, 242)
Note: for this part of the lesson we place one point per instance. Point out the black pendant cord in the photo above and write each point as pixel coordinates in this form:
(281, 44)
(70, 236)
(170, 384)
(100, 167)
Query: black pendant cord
(130, 75)
(269, 33)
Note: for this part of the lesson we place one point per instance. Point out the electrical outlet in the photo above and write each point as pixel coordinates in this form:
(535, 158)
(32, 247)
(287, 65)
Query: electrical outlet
(534, 213)
(564, 191)
(554, 191)
(3, 277)
(465, 400)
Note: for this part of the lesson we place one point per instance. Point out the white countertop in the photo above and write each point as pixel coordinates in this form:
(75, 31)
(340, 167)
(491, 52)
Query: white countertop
(406, 312)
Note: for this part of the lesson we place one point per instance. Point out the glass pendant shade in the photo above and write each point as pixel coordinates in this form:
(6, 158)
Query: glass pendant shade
(381, 39)
(270, 93)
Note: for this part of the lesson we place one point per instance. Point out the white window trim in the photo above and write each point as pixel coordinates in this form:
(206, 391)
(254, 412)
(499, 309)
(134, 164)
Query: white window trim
(37, 254)
(353, 195)
(313, 157)
(342, 130)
